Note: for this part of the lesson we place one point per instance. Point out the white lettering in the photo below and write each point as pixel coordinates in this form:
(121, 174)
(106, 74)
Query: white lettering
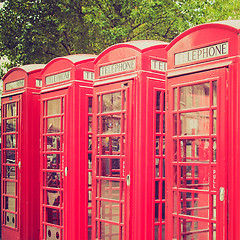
(204, 53)
(58, 77)
(117, 67)
(15, 84)
(158, 65)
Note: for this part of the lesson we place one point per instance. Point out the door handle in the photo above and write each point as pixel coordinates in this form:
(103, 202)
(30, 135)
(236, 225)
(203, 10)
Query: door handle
(66, 170)
(128, 180)
(221, 194)
(19, 165)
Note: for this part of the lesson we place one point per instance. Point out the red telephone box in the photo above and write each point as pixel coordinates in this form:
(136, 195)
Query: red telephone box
(20, 153)
(203, 135)
(129, 142)
(66, 148)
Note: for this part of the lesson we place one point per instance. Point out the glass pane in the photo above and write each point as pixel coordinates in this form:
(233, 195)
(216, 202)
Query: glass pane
(175, 124)
(10, 188)
(111, 102)
(189, 226)
(11, 220)
(53, 198)
(195, 123)
(89, 142)
(156, 212)
(11, 109)
(158, 100)
(53, 216)
(53, 233)
(157, 123)
(10, 157)
(10, 204)
(53, 179)
(89, 160)
(195, 96)
(195, 204)
(195, 177)
(53, 143)
(9, 172)
(214, 93)
(109, 231)
(90, 104)
(53, 161)
(110, 189)
(163, 167)
(110, 167)
(214, 123)
(11, 125)
(111, 145)
(53, 125)
(157, 167)
(10, 141)
(54, 106)
(195, 150)
(110, 211)
(90, 123)
(111, 124)
(175, 98)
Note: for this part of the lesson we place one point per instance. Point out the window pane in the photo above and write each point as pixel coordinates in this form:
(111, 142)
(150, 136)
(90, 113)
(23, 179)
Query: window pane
(11, 109)
(53, 125)
(111, 102)
(54, 106)
(111, 124)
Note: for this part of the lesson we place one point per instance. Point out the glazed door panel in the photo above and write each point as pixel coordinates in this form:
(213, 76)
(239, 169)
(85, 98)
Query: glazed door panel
(197, 160)
(112, 180)
(11, 162)
(53, 170)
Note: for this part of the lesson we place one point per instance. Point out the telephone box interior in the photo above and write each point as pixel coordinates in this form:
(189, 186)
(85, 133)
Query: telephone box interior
(203, 135)
(129, 141)
(66, 148)
(20, 153)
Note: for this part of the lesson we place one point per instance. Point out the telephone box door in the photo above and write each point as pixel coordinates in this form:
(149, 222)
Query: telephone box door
(53, 169)
(11, 164)
(112, 180)
(196, 140)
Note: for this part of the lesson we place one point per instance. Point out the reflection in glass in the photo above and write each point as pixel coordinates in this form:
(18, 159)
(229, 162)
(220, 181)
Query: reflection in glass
(53, 179)
(11, 109)
(214, 150)
(10, 157)
(157, 167)
(195, 150)
(214, 206)
(110, 167)
(11, 220)
(10, 141)
(53, 143)
(54, 107)
(157, 123)
(11, 125)
(214, 86)
(10, 204)
(111, 124)
(214, 121)
(110, 211)
(195, 96)
(111, 145)
(194, 123)
(158, 100)
(175, 124)
(53, 216)
(110, 189)
(198, 229)
(53, 198)
(109, 231)
(175, 97)
(53, 125)
(90, 105)
(90, 123)
(111, 102)
(10, 188)
(53, 161)
(9, 172)
(89, 142)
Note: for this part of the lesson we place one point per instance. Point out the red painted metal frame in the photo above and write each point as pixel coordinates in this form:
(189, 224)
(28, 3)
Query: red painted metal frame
(68, 78)
(221, 172)
(20, 154)
(139, 215)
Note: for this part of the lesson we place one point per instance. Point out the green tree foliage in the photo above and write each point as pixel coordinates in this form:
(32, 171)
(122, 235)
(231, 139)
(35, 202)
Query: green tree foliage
(37, 31)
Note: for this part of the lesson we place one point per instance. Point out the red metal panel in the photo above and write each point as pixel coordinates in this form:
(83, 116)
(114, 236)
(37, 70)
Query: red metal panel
(20, 154)
(67, 81)
(140, 67)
